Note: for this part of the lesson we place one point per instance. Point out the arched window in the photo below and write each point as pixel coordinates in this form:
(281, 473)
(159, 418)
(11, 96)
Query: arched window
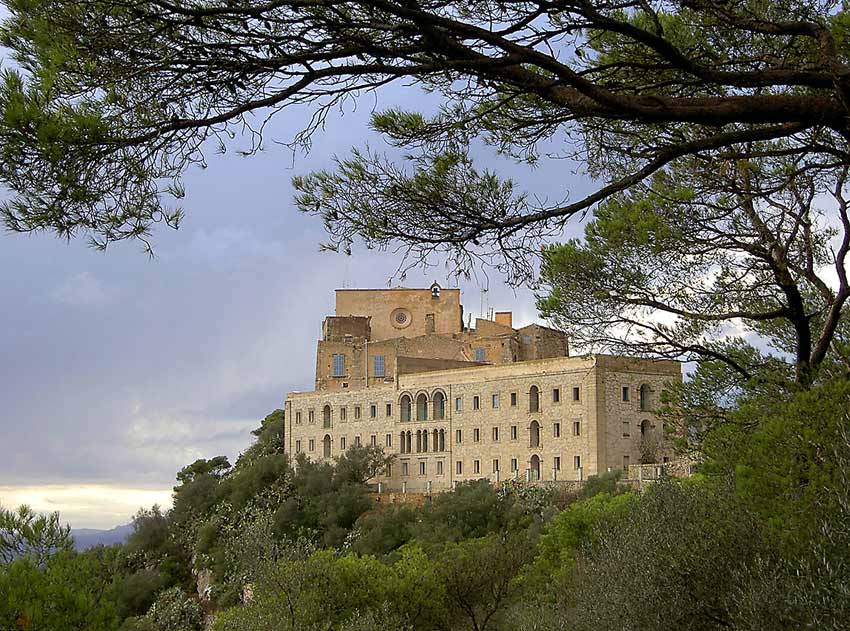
(402, 443)
(442, 440)
(439, 406)
(645, 427)
(409, 442)
(405, 408)
(418, 441)
(535, 467)
(425, 440)
(326, 446)
(435, 444)
(644, 397)
(534, 434)
(422, 407)
(534, 399)
(326, 417)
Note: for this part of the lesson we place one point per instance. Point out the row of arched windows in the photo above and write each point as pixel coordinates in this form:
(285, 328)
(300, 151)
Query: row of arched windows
(421, 407)
(422, 441)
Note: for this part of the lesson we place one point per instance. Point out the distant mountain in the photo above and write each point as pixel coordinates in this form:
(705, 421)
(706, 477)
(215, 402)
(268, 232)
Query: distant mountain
(85, 538)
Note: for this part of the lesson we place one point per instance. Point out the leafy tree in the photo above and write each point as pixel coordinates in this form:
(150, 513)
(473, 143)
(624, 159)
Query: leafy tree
(110, 103)
(25, 533)
(382, 531)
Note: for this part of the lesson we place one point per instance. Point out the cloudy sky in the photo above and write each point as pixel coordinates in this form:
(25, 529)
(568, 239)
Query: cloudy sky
(118, 369)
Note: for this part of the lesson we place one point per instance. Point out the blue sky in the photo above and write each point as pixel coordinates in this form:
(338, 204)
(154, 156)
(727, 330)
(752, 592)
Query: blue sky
(118, 369)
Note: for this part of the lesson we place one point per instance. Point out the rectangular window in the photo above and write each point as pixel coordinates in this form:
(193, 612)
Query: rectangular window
(373, 411)
(357, 441)
(625, 393)
(476, 402)
(495, 465)
(356, 412)
(513, 399)
(342, 443)
(311, 445)
(298, 418)
(311, 416)
(343, 413)
(576, 394)
(626, 463)
(556, 395)
(388, 440)
(389, 409)
(556, 430)
(379, 366)
(459, 467)
(476, 435)
(576, 462)
(513, 432)
(626, 429)
(495, 401)
(405, 470)
(476, 466)
(514, 465)
(480, 355)
(458, 436)
(495, 434)
(557, 463)
(458, 404)
(439, 467)
(339, 365)
(422, 468)
(373, 441)
(389, 473)
(576, 428)
(298, 446)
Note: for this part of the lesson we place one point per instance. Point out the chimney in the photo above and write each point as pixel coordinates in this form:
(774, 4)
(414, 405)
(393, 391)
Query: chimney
(505, 318)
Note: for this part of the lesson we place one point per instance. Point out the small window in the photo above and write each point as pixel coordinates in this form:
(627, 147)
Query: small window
(576, 394)
(513, 399)
(476, 402)
(556, 430)
(379, 366)
(626, 429)
(480, 355)
(495, 401)
(339, 365)
(373, 440)
(389, 409)
(625, 393)
(556, 395)
(476, 435)
(626, 463)
(495, 434)
(373, 411)
(342, 443)
(311, 416)
(495, 465)
(311, 446)
(343, 414)
(388, 440)
(405, 469)
(458, 436)
(422, 468)
(576, 428)
(557, 464)
(298, 446)
(356, 412)
(389, 473)
(476, 466)
(357, 442)
(439, 467)
(526, 339)
(459, 467)
(514, 465)
(576, 462)
(513, 432)
(458, 404)
(298, 418)
(665, 459)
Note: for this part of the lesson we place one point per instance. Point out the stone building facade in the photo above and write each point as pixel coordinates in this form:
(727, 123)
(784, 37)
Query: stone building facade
(457, 403)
